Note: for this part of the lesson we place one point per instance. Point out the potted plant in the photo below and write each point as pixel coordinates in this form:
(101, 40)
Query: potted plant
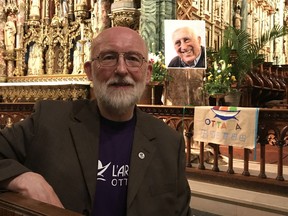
(159, 69)
(239, 50)
(159, 79)
(219, 80)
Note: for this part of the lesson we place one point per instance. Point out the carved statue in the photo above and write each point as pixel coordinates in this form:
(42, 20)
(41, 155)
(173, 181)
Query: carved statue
(58, 18)
(64, 8)
(49, 56)
(35, 8)
(9, 37)
(35, 60)
(77, 59)
(237, 18)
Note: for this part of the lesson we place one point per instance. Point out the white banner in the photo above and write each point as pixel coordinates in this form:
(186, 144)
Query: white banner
(233, 126)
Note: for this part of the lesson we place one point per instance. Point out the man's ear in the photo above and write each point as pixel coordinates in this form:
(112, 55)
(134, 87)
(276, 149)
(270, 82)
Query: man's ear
(88, 69)
(199, 39)
(149, 73)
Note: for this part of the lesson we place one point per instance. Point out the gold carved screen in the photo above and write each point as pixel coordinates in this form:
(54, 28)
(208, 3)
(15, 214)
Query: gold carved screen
(50, 38)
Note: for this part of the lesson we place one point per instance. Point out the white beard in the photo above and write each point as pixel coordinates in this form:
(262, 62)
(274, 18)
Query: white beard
(118, 101)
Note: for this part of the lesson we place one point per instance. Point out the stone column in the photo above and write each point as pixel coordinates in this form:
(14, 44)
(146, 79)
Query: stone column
(244, 14)
(153, 14)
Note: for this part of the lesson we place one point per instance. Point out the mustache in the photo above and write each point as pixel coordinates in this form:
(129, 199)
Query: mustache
(121, 81)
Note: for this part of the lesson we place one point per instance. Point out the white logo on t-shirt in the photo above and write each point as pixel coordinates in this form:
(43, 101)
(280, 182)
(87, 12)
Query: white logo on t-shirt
(119, 174)
(101, 170)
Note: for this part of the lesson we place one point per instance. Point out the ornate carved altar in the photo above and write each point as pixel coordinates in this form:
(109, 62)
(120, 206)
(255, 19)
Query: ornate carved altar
(45, 45)
(50, 40)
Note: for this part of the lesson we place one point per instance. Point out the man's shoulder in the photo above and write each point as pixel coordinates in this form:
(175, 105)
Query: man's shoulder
(60, 106)
(202, 61)
(175, 62)
(62, 102)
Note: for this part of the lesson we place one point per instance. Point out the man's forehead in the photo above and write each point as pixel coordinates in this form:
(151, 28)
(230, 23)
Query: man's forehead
(119, 33)
(120, 40)
(181, 37)
(118, 44)
(119, 47)
(184, 34)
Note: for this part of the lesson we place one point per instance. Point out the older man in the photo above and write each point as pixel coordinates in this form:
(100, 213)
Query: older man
(103, 157)
(190, 52)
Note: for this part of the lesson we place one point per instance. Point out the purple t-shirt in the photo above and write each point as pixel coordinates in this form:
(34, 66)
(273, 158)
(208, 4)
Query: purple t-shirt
(115, 147)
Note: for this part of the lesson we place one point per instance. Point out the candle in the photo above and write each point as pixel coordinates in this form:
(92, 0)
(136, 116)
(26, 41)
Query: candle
(92, 4)
(18, 17)
(153, 47)
(82, 31)
(18, 41)
(43, 9)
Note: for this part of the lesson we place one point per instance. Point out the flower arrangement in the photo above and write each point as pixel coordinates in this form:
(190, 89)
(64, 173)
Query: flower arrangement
(219, 79)
(242, 51)
(159, 69)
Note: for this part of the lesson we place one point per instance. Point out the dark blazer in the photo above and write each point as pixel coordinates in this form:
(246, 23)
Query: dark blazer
(60, 142)
(176, 61)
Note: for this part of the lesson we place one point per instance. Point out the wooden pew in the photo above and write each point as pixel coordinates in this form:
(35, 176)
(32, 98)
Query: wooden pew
(13, 204)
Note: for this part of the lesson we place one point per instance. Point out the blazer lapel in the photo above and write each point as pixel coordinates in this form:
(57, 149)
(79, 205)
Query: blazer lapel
(142, 153)
(85, 132)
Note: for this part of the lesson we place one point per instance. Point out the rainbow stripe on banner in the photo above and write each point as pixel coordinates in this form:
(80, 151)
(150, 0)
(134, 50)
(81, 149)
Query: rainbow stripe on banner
(233, 126)
(225, 113)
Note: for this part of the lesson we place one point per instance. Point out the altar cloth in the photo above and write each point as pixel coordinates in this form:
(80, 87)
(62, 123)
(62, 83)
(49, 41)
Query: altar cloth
(232, 126)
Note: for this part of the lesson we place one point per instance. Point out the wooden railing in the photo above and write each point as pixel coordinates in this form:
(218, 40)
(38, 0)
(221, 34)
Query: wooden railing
(272, 131)
(272, 123)
(14, 112)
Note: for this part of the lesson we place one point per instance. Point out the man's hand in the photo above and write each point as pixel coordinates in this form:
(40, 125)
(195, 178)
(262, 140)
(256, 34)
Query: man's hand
(34, 186)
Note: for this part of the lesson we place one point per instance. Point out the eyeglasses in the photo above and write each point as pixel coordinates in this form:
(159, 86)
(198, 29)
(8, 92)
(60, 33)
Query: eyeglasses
(110, 59)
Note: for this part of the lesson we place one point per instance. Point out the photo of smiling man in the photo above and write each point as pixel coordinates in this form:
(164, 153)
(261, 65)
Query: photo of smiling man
(188, 40)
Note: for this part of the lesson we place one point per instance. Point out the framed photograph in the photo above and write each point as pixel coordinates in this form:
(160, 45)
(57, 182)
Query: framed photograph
(185, 44)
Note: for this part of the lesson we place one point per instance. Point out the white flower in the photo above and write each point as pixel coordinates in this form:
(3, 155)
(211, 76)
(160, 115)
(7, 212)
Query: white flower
(153, 57)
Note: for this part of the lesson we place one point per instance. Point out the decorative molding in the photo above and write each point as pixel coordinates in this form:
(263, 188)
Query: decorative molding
(31, 92)
(128, 17)
(48, 78)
